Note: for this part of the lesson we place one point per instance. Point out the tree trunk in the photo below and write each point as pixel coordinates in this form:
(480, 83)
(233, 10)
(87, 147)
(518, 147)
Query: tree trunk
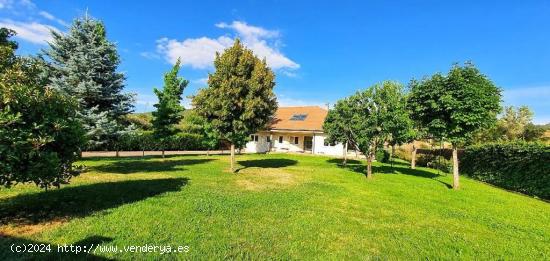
(413, 159)
(117, 154)
(391, 154)
(208, 152)
(143, 153)
(369, 166)
(456, 184)
(345, 154)
(232, 157)
(163, 153)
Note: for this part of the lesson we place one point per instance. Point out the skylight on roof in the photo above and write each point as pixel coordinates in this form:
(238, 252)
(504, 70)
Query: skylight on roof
(298, 117)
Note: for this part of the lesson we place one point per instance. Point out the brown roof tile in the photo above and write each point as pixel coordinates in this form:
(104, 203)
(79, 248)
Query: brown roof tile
(313, 121)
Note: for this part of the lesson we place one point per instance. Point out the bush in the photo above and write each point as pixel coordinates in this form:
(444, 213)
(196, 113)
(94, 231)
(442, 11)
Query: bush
(144, 140)
(382, 156)
(40, 137)
(518, 166)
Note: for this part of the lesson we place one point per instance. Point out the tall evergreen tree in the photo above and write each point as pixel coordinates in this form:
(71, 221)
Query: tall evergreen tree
(84, 66)
(169, 109)
(239, 99)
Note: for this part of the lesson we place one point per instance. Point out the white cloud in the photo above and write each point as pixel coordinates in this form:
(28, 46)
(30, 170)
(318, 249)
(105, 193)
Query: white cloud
(200, 52)
(201, 80)
(53, 18)
(197, 53)
(30, 31)
(150, 55)
(9, 4)
(5, 4)
(290, 74)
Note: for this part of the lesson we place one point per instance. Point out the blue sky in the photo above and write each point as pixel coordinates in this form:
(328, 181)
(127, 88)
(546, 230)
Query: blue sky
(320, 51)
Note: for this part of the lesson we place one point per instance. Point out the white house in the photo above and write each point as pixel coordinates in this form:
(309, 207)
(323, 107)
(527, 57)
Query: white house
(295, 129)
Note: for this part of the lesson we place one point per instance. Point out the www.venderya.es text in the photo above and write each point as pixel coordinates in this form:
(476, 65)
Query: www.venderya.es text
(94, 248)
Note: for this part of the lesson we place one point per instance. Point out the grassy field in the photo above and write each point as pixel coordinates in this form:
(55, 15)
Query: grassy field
(277, 206)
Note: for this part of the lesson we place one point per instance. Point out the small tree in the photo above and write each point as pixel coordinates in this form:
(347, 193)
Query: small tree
(337, 125)
(366, 124)
(396, 117)
(169, 110)
(455, 106)
(239, 99)
(40, 135)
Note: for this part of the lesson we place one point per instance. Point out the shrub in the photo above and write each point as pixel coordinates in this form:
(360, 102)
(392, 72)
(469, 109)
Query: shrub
(40, 136)
(518, 166)
(144, 140)
(382, 156)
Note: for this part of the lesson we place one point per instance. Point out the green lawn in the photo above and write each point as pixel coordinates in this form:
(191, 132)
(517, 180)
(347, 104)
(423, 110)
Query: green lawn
(278, 206)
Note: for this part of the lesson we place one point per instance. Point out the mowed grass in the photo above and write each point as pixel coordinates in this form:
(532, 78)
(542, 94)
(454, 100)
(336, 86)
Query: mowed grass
(277, 206)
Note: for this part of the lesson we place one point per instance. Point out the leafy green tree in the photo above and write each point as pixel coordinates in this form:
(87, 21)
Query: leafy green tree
(239, 99)
(7, 48)
(455, 106)
(337, 125)
(193, 123)
(84, 66)
(378, 115)
(533, 132)
(514, 124)
(169, 109)
(366, 123)
(396, 121)
(40, 135)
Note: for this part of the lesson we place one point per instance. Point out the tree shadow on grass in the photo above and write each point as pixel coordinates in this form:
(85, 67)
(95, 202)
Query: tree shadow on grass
(266, 163)
(398, 168)
(133, 166)
(80, 201)
(11, 247)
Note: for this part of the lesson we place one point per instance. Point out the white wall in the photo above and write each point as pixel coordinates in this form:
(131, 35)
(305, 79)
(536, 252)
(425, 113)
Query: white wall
(288, 142)
(259, 146)
(320, 148)
(288, 145)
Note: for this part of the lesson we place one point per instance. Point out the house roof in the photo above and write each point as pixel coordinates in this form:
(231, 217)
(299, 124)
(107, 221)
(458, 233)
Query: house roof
(305, 118)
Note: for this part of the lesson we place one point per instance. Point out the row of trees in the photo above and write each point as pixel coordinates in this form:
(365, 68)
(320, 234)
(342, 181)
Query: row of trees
(452, 107)
(70, 98)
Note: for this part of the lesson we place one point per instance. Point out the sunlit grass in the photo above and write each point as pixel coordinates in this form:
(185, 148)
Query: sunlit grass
(279, 206)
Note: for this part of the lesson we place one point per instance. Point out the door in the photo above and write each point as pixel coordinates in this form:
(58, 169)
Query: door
(308, 143)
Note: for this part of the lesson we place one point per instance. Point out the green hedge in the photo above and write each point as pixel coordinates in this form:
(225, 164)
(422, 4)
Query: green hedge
(518, 166)
(382, 155)
(144, 140)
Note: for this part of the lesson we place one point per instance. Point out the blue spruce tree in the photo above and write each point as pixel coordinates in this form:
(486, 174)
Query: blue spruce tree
(84, 66)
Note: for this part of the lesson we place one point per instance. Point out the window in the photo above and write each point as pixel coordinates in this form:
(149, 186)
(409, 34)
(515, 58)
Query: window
(268, 139)
(280, 139)
(298, 117)
(296, 140)
(254, 138)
